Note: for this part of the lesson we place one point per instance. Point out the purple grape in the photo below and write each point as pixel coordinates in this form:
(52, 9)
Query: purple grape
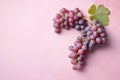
(95, 33)
(71, 25)
(74, 67)
(71, 14)
(76, 10)
(55, 25)
(71, 48)
(92, 37)
(62, 25)
(98, 40)
(66, 17)
(99, 30)
(63, 11)
(72, 55)
(79, 45)
(84, 47)
(82, 26)
(81, 51)
(98, 25)
(73, 61)
(95, 21)
(79, 58)
(62, 20)
(57, 30)
(79, 14)
(66, 23)
(92, 42)
(89, 33)
(90, 47)
(102, 35)
(78, 66)
(58, 16)
(83, 32)
(81, 21)
(76, 18)
(71, 20)
(104, 40)
(77, 27)
(88, 28)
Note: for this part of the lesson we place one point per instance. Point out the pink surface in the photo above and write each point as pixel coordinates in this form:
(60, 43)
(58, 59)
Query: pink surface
(30, 50)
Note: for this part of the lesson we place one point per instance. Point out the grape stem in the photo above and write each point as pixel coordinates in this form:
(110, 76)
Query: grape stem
(89, 21)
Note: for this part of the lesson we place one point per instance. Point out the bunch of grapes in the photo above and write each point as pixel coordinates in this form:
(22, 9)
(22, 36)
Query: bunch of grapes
(91, 34)
(68, 19)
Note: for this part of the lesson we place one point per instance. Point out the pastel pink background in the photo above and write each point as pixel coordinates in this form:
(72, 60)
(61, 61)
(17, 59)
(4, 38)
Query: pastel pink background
(30, 50)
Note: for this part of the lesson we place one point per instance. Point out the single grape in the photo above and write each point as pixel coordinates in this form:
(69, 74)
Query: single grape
(89, 33)
(74, 67)
(83, 32)
(102, 35)
(82, 26)
(81, 51)
(77, 27)
(72, 25)
(79, 14)
(62, 25)
(88, 28)
(75, 49)
(90, 46)
(66, 23)
(66, 17)
(62, 20)
(99, 30)
(71, 20)
(81, 21)
(98, 40)
(86, 42)
(88, 38)
(92, 42)
(71, 14)
(79, 45)
(98, 25)
(76, 18)
(71, 48)
(95, 33)
(73, 61)
(104, 40)
(80, 57)
(55, 25)
(94, 28)
(94, 21)
(78, 66)
(84, 47)
(63, 11)
(76, 10)
(58, 30)
(72, 55)
(58, 16)
(92, 37)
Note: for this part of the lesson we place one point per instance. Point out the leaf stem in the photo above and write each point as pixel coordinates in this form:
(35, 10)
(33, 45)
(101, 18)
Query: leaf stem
(89, 21)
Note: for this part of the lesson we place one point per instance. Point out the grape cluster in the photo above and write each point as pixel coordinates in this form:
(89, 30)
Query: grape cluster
(68, 19)
(91, 34)
(90, 37)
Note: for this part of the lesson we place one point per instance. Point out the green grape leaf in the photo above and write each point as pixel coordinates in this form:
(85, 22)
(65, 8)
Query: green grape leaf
(100, 14)
(92, 9)
(102, 10)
